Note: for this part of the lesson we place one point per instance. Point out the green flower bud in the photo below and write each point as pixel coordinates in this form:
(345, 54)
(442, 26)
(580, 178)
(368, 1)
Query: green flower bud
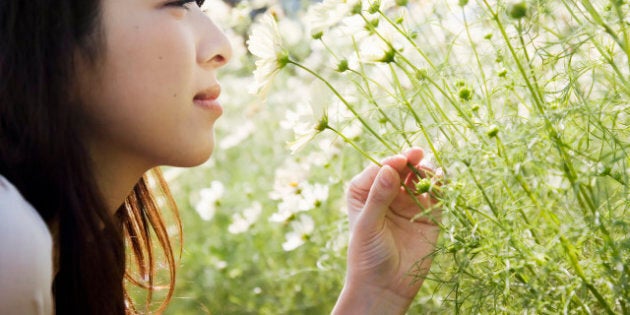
(402, 3)
(357, 8)
(421, 74)
(462, 3)
(465, 94)
(322, 124)
(502, 73)
(423, 185)
(493, 131)
(317, 35)
(342, 66)
(283, 59)
(374, 23)
(488, 36)
(517, 10)
(389, 56)
(374, 7)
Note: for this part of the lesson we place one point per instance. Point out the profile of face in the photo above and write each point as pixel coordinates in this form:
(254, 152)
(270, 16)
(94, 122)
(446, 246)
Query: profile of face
(152, 98)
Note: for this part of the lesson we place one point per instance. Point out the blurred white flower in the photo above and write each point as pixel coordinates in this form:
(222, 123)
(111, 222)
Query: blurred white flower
(320, 17)
(241, 222)
(298, 120)
(305, 122)
(327, 150)
(301, 231)
(287, 208)
(287, 179)
(218, 11)
(237, 135)
(302, 197)
(206, 206)
(266, 44)
(313, 195)
(291, 31)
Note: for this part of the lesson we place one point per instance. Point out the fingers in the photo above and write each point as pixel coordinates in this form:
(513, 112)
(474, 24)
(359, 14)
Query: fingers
(367, 193)
(358, 191)
(384, 190)
(361, 184)
(414, 155)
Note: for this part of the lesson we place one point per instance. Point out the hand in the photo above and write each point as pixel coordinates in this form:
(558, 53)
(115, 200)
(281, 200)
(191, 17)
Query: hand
(389, 253)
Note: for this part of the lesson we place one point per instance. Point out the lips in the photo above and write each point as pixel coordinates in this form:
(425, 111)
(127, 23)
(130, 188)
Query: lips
(211, 93)
(208, 98)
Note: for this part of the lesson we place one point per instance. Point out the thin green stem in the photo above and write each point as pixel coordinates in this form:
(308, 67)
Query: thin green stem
(354, 145)
(473, 47)
(409, 39)
(346, 103)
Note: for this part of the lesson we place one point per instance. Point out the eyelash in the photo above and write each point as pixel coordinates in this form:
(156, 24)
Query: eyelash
(182, 3)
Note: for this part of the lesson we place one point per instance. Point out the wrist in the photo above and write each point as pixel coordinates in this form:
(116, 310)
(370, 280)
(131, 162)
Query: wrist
(370, 300)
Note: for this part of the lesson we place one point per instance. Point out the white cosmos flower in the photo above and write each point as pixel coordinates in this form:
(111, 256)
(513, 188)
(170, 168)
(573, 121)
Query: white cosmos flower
(266, 44)
(287, 179)
(237, 135)
(287, 208)
(301, 231)
(241, 222)
(304, 197)
(306, 120)
(314, 195)
(206, 206)
(327, 150)
(320, 17)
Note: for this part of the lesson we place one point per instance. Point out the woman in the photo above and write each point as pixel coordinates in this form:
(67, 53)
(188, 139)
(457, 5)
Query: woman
(94, 95)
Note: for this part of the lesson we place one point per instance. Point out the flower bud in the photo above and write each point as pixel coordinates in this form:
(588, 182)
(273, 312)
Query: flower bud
(423, 186)
(342, 66)
(517, 10)
(389, 56)
(317, 35)
(493, 131)
(465, 94)
(421, 74)
(374, 7)
(322, 124)
(283, 59)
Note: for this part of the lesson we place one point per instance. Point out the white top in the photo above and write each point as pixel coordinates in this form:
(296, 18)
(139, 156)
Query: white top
(25, 256)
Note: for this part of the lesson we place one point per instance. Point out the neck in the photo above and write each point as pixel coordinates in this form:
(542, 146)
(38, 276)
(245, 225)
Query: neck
(116, 175)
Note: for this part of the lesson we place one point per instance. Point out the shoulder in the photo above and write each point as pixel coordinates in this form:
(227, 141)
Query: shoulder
(25, 256)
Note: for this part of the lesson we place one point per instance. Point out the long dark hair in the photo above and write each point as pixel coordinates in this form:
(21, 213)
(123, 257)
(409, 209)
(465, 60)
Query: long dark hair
(42, 155)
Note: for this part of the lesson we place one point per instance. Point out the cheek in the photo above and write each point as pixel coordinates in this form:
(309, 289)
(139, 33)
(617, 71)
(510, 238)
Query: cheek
(152, 62)
(143, 103)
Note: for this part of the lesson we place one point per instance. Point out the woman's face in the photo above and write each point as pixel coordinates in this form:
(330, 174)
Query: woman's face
(151, 100)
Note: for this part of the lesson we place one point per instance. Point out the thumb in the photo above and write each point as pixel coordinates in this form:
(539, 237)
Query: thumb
(385, 188)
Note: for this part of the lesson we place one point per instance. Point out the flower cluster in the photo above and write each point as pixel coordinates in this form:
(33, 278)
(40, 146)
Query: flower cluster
(522, 104)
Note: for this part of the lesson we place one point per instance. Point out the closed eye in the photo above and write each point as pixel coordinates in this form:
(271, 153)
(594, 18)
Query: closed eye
(183, 3)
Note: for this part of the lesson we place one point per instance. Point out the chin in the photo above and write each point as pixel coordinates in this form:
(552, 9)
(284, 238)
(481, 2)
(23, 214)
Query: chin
(192, 159)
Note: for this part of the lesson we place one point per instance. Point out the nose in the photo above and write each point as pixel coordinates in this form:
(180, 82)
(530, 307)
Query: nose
(214, 49)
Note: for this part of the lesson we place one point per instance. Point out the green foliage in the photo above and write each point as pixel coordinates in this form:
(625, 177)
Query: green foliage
(536, 160)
